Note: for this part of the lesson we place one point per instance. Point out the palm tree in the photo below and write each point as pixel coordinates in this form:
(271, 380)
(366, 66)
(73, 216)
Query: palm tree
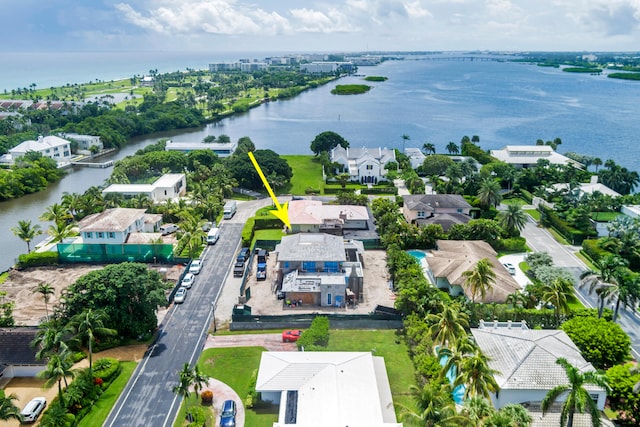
(60, 231)
(429, 148)
(55, 213)
(513, 219)
(199, 379)
(58, 369)
(8, 410)
(578, 398)
(26, 232)
(405, 138)
(449, 325)
(597, 162)
(603, 277)
(558, 293)
(489, 192)
(435, 408)
(453, 148)
(88, 324)
(51, 338)
(191, 231)
(477, 376)
(186, 379)
(455, 354)
(480, 279)
(56, 416)
(46, 290)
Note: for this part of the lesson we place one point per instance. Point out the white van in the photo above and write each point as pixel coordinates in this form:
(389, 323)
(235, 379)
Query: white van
(229, 209)
(212, 236)
(34, 408)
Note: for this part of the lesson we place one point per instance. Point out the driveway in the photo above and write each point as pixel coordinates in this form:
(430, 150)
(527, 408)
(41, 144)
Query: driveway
(515, 260)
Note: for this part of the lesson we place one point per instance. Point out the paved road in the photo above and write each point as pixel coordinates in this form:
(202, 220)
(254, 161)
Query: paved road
(540, 240)
(148, 399)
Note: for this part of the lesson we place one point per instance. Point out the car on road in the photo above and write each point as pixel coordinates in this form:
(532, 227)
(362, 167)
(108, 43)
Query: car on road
(243, 255)
(196, 266)
(510, 268)
(228, 414)
(187, 280)
(180, 295)
(33, 409)
(291, 335)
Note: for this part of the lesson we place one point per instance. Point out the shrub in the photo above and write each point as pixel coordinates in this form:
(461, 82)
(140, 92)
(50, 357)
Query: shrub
(207, 397)
(197, 416)
(252, 396)
(106, 368)
(317, 335)
(36, 259)
(267, 223)
(379, 190)
(247, 232)
(513, 244)
(592, 249)
(601, 342)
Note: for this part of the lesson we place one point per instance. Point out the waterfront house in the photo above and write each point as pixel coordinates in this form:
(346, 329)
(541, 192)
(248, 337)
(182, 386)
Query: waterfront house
(527, 156)
(84, 142)
(319, 269)
(50, 146)
(352, 386)
(527, 370)
(364, 165)
(311, 216)
(114, 226)
(167, 187)
(222, 149)
(446, 265)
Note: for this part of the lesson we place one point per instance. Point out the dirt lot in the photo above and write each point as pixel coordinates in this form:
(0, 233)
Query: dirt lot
(29, 304)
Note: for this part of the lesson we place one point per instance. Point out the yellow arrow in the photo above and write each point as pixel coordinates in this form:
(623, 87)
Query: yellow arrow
(282, 211)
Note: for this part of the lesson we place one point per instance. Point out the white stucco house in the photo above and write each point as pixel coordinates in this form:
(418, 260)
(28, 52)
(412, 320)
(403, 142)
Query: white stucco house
(222, 149)
(365, 165)
(527, 156)
(167, 187)
(50, 146)
(115, 226)
(326, 388)
(85, 142)
(526, 362)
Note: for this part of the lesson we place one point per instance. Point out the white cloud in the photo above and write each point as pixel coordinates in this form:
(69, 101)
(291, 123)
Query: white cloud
(309, 20)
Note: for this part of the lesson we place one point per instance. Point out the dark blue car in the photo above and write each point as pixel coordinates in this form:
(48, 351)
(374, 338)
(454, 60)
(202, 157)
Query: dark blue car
(228, 414)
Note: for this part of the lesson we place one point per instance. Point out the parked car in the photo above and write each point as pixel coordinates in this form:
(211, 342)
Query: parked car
(208, 226)
(238, 269)
(187, 280)
(180, 295)
(228, 414)
(243, 256)
(195, 267)
(261, 272)
(33, 409)
(291, 335)
(510, 268)
(167, 229)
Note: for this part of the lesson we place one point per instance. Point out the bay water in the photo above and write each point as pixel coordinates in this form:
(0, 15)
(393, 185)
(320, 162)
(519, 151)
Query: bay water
(430, 99)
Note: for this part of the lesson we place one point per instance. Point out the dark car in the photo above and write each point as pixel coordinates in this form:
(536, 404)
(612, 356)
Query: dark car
(228, 414)
(243, 256)
(238, 269)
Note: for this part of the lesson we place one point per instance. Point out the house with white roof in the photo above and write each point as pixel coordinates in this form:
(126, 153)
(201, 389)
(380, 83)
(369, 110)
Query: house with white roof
(327, 389)
(312, 216)
(319, 269)
(527, 156)
(526, 363)
(50, 146)
(115, 226)
(167, 187)
(364, 165)
(222, 149)
(446, 265)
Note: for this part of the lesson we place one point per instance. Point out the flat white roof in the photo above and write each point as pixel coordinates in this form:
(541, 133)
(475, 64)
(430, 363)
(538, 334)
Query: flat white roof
(129, 188)
(168, 180)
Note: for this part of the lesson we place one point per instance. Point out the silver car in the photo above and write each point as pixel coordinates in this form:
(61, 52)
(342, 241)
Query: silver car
(180, 295)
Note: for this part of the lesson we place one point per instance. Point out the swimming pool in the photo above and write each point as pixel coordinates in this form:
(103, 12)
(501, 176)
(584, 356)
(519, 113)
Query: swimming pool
(458, 392)
(419, 255)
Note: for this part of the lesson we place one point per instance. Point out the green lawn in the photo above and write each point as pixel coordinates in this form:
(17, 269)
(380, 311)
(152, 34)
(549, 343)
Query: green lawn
(535, 214)
(100, 410)
(234, 367)
(307, 173)
(514, 201)
(604, 216)
(575, 304)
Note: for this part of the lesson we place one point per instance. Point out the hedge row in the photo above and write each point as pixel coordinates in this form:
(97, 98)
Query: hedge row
(379, 190)
(247, 232)
(573, 235)
(267, 223)
(36, 259)
(513, 244)
(526, 195)
(592, 249)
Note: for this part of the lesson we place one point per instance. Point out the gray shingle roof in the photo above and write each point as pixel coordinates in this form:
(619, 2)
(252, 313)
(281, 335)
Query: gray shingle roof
(15, 347)
(433, 202)
(311, 247)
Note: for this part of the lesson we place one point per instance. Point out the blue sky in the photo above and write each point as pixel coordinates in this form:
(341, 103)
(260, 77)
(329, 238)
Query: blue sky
(322, 25)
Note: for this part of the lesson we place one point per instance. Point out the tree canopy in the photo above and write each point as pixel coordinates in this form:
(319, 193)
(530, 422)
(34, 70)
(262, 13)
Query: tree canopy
(129, 294)
(275, 169)
(326, 141)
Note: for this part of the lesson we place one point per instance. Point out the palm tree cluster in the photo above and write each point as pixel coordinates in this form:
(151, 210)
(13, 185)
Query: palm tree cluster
(190, 377)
